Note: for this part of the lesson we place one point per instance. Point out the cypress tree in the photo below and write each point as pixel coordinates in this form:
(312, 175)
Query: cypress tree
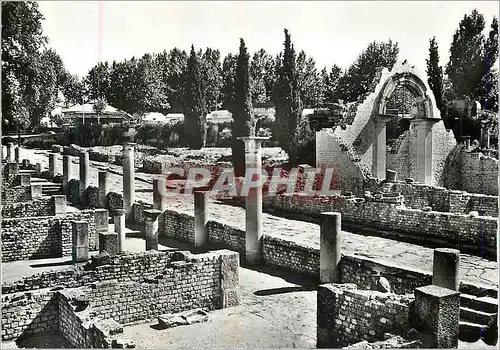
(287, 100)
(435, 75)
(244, 124)
(195, 109)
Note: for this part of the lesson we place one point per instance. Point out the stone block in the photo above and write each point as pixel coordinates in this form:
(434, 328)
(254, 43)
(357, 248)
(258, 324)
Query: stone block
(445, 268)
(36, 191)
(25, 179)
(108, 242)
(437, 311)
(59, 204)
(80, 241)
(230, 263)
(101, 220)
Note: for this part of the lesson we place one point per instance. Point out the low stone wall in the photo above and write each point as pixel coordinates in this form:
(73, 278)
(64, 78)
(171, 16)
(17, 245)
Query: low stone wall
(125, 288)
(43, 206)
(476, 234)
(43, 237)
(464, 203)
(115, 201)
(347, 315)
(479, 173)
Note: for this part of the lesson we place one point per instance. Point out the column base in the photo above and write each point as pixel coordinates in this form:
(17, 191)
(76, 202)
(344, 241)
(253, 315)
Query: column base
(253, 257)
(80, 254)
(151, 244)
(329, 276)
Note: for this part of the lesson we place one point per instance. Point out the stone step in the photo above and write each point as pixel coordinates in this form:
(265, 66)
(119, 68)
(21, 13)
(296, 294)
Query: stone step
(182, 318)
(470, 331)
(485, 304)
(476, 316)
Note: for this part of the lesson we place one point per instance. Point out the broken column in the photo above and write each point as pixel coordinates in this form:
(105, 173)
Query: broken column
(379, 149)
(84, 172)
(52, 164)
(101, 219)
(423, 149)
(119, 220)
(59, 204)
(128, 178)
(151, 228)
(38, 169)
(446, 268)
(437, 312)
(80, 242)
(67, 173)
(108, 242)
(200, 219)
(253, 201)
(24, 179)
(160, 200)
(330, 247)
(103, 188)
(36, 191)
(10, 152)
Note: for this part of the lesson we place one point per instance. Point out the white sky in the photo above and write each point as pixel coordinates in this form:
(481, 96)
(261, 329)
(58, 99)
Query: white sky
(331, 32)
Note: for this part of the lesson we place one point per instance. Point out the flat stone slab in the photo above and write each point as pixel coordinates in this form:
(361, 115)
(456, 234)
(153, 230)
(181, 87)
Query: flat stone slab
(183, 318)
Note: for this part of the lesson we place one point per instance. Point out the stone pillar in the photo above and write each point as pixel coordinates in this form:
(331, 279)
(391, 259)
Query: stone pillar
(38, 169)
(437, 312)
(59, 204)
(446, 268)
(67, 172)
(52, 164)
(12, 169)
(25, 179)
(160, 201)
(25, 163)
(10, 152)
(119, 220)
(84, 172)
(151, 228)
(390, 175)
(36, 191)
(17, 155)
(80, 242)
(330, 247)
(200, 219)
(103, 188)
(253, 202)
(229, 278)
(128, 178)
(379, 148)
(108, 242)
(424, 149)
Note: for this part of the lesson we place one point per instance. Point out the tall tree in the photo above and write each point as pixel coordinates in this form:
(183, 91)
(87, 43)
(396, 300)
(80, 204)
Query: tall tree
(287, 99)
(212, 77)
(435, 76)
(465, 68)
(195, 108)
(331, 81)
(489, 82)
(357, 79)
(310, 84)
(175, 81)
(262, 77)
(244, 123)
(22, 40)
(228, 77)
(73, 89)
(97, 81)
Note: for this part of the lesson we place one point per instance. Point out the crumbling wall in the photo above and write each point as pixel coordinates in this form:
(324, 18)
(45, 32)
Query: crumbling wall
(16, 194)
(347, 315)
(42, 206)
(480, 173)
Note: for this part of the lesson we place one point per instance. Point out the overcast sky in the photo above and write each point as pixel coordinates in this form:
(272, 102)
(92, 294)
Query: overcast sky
(332, 32)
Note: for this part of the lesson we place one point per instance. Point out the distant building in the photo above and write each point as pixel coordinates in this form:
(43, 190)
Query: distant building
(154, 117)
(220, 116)
(85, 114)
(171, 117)
(266, 109)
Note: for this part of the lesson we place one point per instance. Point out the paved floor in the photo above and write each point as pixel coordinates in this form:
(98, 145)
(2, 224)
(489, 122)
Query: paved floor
(473, 269)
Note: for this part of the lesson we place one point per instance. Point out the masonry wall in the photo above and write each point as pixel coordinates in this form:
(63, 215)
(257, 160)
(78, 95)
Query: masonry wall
(480, 173)
(43, 237)
(347, 315)
(16, 194)
(37, 207)
(126, 288)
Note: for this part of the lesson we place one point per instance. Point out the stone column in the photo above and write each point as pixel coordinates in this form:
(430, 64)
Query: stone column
(108, 242)
(200, 219)
(80, 242)
(151, 228)
(160, 201)
(253, 202)
(84, 172)
(25, 179)
(446, 268)
(330, 247)
(119, 220)
(17, 155)
(103, 188)
(36, 191)
(437, 312)
(10, 152)
(424, 149)
(38, 169)
(379, 148)
(128, 178)
(52, 164)
(67, 173)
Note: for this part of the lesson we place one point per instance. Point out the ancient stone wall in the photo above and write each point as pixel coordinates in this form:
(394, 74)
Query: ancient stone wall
(37, 207)
(16, 194)
(115, 200)
(347, 315)
(126, 288)
(43, 237)
(480, 174)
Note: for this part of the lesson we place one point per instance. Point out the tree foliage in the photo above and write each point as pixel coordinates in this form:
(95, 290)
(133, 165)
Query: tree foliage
(435, 75)
(195, 109)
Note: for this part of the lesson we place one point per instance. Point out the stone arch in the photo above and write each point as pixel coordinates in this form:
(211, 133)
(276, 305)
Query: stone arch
(425, 102)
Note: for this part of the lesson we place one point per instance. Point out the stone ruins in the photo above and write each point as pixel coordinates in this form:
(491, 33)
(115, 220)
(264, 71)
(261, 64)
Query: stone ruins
(91, 249)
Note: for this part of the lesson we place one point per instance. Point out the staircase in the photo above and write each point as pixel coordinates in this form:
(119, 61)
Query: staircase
(48, 188)
(477, 314)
